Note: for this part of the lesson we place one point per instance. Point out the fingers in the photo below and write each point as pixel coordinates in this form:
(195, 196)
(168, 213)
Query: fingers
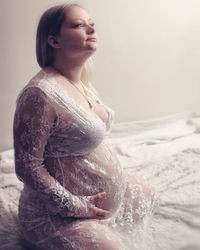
(100, 213)
(96, 211)
(98, 196)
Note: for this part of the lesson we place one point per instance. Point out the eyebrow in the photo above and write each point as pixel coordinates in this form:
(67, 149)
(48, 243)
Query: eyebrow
(89, 19)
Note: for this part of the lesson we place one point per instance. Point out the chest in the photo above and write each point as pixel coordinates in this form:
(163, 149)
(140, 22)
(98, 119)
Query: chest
(81, 98)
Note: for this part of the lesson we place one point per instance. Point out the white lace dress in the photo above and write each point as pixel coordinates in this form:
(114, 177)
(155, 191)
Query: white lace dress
(63, 160)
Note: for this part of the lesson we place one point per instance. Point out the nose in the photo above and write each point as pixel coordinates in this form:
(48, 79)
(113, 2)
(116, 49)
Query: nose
(90, 29)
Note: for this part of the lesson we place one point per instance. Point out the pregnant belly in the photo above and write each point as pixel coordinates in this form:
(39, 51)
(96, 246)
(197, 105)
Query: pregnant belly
(92, 173)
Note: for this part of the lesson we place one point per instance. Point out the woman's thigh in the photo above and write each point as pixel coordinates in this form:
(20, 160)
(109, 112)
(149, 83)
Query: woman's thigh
(84, 235)
(138, 198)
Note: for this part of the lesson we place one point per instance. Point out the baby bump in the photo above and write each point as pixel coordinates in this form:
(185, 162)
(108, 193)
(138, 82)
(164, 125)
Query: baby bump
(93, 173)
(108, 177)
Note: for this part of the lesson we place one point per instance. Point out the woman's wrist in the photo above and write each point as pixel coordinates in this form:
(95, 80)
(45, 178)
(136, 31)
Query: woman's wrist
(80, 209)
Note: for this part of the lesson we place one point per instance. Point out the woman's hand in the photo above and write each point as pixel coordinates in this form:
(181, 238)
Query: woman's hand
(93, 211)
(98, 213)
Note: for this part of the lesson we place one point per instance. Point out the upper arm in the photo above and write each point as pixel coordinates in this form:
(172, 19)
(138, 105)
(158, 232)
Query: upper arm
(33, 122)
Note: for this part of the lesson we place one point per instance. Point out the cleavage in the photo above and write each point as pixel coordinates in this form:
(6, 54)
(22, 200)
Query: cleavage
(97, 108)
(100, 111)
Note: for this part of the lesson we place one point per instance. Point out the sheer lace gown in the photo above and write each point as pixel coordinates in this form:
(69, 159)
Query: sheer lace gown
(63, 160)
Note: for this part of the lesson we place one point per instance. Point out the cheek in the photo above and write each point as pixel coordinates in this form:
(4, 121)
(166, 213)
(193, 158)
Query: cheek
(74, 40)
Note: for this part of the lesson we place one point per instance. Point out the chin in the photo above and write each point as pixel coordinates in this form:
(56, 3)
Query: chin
(92, 47)
(90, 51)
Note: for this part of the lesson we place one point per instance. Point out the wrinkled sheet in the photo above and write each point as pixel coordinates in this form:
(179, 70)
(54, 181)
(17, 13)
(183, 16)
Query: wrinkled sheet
(165, 152)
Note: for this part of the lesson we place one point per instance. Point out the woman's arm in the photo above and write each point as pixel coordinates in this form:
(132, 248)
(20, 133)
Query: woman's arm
(34, 121)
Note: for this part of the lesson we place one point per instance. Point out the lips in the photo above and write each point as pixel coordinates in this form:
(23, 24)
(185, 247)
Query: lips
(92, 39)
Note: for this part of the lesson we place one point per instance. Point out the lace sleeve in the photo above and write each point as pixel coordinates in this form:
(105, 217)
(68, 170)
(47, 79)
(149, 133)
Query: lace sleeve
(34, 121)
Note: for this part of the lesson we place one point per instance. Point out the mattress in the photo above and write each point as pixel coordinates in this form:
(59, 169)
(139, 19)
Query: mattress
(166, 153)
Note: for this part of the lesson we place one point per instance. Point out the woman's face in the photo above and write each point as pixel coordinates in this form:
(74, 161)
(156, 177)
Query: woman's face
(77, 35)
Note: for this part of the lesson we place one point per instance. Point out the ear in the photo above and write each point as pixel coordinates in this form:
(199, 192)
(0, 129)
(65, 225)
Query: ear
(53, 42)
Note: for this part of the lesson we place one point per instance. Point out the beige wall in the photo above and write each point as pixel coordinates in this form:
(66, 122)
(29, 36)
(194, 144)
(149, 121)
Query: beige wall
(147, 64)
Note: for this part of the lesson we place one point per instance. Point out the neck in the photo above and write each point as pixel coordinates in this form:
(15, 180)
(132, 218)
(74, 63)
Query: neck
(69, 68)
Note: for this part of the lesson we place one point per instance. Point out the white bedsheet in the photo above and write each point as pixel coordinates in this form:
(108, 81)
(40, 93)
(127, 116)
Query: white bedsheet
(164, 151)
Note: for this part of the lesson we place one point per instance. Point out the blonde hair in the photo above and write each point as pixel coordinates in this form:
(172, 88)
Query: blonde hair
(50, 24)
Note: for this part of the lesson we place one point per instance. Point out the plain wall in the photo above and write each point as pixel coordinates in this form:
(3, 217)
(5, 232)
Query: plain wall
(146, 65)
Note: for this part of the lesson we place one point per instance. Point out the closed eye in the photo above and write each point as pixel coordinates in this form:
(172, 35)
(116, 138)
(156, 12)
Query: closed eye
(78, 25)
(82, 25)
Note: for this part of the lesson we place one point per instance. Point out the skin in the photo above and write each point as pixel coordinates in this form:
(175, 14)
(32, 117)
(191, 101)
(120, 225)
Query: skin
(71, 49)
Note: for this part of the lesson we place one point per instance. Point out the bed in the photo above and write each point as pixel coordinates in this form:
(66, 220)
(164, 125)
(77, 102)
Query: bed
(165, 152)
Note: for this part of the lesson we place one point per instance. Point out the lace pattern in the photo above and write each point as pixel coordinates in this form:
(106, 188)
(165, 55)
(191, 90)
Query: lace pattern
(62, 158)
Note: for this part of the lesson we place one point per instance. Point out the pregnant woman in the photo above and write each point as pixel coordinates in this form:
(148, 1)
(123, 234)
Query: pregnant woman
(75, 193)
